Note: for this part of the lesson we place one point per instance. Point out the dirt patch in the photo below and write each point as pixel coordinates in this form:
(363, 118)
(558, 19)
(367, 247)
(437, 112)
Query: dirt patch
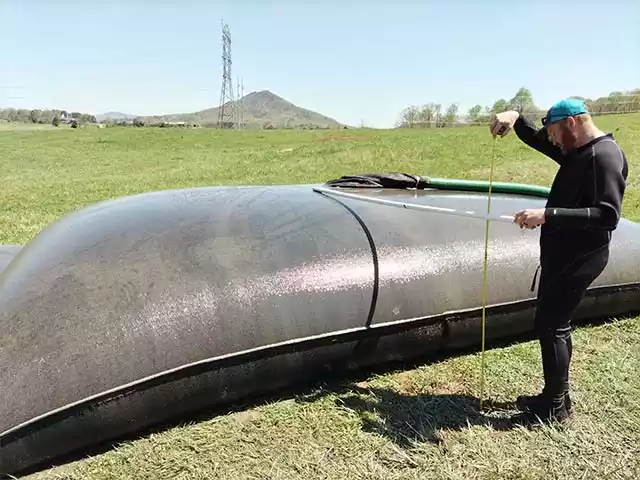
(247, 416)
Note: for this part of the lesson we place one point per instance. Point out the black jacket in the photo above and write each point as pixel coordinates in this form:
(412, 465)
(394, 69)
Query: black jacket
(585, 200)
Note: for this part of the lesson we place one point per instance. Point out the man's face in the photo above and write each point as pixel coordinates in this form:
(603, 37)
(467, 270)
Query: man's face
(563, 134)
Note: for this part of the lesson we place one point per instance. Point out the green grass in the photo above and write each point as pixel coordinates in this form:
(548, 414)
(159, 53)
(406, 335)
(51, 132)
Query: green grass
(415, 423)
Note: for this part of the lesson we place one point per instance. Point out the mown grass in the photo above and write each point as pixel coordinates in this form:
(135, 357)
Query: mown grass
(415, 422)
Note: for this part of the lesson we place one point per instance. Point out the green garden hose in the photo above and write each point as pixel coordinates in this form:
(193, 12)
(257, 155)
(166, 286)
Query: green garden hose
(484, 186)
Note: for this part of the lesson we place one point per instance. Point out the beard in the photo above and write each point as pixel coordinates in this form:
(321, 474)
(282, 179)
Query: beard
(568, 139)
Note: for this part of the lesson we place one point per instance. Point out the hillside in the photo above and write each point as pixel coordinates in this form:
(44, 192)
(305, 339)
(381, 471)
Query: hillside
(262, 109)
(115, 116)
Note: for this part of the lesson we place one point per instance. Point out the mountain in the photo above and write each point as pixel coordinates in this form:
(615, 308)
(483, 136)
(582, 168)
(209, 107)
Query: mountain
(115, 116)
(262, 109)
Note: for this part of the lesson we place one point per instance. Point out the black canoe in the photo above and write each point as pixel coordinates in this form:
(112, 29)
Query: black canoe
(140, 309)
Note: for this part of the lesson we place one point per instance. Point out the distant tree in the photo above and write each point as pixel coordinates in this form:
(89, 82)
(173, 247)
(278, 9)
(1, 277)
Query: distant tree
(499, 106)
(474, 113)
(618, 102)
(437, 113)
(429, 115)
(409, 117)
(34, 116)
(86, 118)
(45, 116)
(632, 102)
(522, 101)
(18, 115)
(451, 116)
(56, 120)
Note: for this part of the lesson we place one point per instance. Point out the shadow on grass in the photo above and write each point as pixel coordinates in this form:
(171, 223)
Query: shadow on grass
(406, 418)
(402, 417)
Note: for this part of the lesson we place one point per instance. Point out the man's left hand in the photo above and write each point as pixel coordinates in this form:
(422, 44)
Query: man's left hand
(530, 218)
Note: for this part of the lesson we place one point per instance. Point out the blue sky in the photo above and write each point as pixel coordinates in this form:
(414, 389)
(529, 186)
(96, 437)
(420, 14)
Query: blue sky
(354, 60)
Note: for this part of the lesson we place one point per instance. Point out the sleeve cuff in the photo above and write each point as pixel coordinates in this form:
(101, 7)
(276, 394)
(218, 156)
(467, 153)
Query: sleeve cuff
(555, 215)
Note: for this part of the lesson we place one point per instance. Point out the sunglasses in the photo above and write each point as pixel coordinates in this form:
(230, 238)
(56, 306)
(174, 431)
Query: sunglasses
(545, 121)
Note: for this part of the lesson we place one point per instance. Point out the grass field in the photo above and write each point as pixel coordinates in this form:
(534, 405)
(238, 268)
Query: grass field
(415, 423)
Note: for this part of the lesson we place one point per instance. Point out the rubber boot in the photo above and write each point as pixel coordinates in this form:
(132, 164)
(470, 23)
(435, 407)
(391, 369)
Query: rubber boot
(533, 402)
(543, 410)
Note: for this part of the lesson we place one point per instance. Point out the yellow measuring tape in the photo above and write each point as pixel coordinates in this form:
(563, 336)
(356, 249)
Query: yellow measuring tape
(484, 281)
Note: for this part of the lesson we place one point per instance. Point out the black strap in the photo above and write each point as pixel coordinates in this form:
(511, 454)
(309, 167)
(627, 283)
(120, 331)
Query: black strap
(535, 276)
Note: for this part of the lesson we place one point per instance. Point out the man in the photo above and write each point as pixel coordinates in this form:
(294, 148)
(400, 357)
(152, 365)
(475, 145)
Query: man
(582, 210)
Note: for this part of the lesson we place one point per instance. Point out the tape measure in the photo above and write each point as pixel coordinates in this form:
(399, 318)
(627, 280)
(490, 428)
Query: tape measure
(484, 274)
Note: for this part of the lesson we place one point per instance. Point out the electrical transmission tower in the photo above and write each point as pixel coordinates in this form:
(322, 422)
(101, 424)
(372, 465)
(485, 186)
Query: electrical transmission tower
(226, 111)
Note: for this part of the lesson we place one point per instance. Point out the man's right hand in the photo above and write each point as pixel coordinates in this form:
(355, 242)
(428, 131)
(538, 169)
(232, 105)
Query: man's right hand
(503, 122)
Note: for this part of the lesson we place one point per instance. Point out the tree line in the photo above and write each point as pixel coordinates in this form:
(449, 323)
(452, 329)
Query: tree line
(432, 115)
(48, 117)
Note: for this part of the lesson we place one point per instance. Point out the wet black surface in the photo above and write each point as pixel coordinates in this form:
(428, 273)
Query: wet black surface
(134, 311)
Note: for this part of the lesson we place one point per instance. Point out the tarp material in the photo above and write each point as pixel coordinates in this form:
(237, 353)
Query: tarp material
(381, 180)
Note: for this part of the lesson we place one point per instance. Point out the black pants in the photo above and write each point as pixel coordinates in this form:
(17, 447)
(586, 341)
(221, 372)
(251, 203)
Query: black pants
(560, 291)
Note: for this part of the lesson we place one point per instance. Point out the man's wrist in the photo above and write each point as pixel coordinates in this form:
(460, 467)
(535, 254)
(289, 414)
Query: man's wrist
(516, 117)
